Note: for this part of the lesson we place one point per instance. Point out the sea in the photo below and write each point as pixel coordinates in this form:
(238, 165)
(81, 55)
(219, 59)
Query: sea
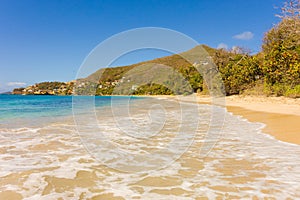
(126, 147)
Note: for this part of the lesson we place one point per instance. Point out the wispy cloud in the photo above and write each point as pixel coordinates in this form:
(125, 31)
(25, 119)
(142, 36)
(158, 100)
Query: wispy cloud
(247, 35)
(222, 46)
(16, 84)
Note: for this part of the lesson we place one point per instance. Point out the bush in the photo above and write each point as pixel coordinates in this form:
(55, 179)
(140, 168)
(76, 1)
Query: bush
(293, 92)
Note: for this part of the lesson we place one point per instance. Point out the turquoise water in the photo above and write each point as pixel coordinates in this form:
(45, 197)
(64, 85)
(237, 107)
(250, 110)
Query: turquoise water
(18, 106)
(21, 110)
(32, 106)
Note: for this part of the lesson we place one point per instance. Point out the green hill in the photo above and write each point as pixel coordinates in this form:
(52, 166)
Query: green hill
(107, 79)
(176, 61)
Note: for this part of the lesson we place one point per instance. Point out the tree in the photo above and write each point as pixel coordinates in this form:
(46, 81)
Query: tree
(281, 49)
(238, 69)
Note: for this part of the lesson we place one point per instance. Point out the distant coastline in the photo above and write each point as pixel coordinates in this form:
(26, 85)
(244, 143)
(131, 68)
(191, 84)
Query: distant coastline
(6, 93)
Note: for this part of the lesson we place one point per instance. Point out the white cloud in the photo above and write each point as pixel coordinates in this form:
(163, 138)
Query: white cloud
(222, 46)
(16, 84)
(244, 36)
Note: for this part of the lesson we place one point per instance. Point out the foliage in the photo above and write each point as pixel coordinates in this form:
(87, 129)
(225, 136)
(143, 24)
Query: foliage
(18, 91)
(293, 92)
(152, 89)
(50, 85)
(282, 54)
(281, 49)
(238, 71)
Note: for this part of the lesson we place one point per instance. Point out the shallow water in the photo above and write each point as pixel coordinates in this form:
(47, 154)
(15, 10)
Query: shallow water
(149, 150)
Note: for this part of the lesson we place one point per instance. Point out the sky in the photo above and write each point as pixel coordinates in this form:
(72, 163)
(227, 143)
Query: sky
(47, 40)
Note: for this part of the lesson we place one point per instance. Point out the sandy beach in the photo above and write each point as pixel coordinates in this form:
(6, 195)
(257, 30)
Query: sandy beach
(280, 114)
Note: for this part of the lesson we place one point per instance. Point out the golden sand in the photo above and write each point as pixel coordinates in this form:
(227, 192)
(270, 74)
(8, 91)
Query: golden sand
(283, 127)
(280, 114)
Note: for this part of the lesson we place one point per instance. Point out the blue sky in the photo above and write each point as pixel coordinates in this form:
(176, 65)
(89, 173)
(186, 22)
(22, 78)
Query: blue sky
(47, 40)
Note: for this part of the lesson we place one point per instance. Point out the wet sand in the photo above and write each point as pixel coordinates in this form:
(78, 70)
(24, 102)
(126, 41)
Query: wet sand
(284, 127)
(281, 115)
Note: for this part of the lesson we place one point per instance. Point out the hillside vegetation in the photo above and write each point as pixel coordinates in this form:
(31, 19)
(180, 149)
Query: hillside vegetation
(105, 80)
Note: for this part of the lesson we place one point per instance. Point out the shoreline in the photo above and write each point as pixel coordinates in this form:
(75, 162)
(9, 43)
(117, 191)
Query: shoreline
(281, 115)
(283, 127)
